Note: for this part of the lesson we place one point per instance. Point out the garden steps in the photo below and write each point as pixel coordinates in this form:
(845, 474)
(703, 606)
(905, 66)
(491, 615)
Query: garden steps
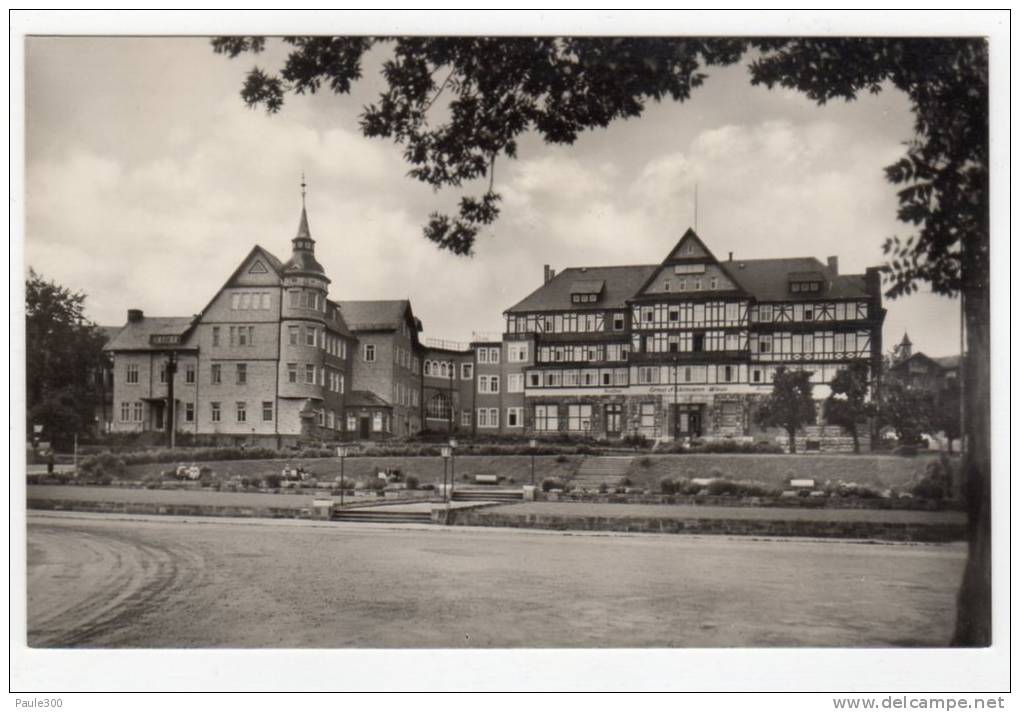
(606, 470)
(373, 514)
(478, 494)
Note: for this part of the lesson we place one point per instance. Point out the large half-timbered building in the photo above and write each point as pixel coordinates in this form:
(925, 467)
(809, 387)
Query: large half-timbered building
(687, 347)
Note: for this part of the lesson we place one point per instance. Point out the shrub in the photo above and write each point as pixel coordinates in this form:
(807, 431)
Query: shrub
(645, 461)
(103, 464)
(852, 489)
(906, 450)
(626, 482)
(636, 441)
(667, 485)
(603, 488)
(411, 482)
(378, 484)
(928, 488)
(273, 481)
(427, 487)
(551, 483)
(562, 459)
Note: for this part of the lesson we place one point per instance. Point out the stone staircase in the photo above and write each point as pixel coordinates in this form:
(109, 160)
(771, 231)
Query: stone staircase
(380, 515)
(487, 494)
(596, 471)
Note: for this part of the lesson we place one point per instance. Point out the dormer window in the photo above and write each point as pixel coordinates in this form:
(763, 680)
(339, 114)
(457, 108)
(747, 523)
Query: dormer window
(586, 291)
(805, 282)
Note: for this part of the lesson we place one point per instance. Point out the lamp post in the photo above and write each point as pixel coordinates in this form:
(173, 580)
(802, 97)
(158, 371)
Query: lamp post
(445, 453)
(532, 444)
(341, 452)
(453, 465)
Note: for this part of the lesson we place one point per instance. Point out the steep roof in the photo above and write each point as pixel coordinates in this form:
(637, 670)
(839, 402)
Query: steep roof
(620, 284)
(341, 323)
(364, 399)
(374, 315)
(768, 279)
(135, 335)
(109, 332)
(948, 362)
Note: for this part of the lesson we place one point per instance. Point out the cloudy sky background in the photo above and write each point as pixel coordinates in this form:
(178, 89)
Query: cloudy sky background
(148, 180)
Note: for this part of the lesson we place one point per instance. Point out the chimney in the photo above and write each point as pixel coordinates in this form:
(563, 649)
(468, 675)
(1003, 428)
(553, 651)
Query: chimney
(834, 264)
(549, 274)
(134, 315)
(731, 255)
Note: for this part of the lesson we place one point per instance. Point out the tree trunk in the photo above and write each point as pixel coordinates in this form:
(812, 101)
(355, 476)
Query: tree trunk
(974, 602)
(791, 434)
(857, 442)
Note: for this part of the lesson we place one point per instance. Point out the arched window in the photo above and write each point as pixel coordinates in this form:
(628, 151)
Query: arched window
(439, 406)
(442, 370)
(428, 368)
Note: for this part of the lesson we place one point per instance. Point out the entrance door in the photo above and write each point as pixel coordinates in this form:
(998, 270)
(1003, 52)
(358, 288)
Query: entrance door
(157, 415)
(614, 418)
(694, 423)
(364, 427)
(687, 421)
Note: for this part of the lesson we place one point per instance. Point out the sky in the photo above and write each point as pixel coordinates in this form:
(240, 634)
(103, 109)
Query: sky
(148, 181)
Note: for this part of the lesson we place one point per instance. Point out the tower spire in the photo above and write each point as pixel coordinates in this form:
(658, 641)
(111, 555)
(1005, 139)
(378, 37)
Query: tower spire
(303, 231)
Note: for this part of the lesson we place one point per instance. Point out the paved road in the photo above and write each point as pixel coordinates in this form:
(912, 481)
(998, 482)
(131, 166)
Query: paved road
(167, 582)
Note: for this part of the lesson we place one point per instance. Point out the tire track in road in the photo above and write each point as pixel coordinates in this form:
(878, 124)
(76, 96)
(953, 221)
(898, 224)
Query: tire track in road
(85, 586)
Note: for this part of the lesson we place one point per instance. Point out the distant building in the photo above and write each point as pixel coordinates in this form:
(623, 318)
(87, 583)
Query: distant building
(918, 371)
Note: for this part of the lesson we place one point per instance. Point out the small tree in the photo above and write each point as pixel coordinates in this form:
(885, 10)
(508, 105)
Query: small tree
(908, 412)
(847, 404)
(946, 413)
(790, 405)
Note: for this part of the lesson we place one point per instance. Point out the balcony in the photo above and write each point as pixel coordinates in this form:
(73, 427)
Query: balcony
(671, 357)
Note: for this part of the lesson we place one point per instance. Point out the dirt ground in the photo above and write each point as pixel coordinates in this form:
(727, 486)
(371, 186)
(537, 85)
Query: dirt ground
(169, 582)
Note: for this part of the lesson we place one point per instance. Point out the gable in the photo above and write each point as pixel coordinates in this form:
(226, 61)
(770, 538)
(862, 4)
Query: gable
(255, 272)
(690, 269)
(689, 247)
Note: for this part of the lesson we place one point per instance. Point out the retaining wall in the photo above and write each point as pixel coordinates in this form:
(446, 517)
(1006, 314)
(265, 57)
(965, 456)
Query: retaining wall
(885, 531)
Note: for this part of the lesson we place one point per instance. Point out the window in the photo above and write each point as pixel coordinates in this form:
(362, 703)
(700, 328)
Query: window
(216, 375)
(369, 352)
(713, 283)
(515, 383)
(125, 411)
(756, 375)
(214, 411)
(189, 412)
(467, 371)
(730, 415)
(488, 384)
(377, 422)
(517, 352)
(137, 409)
(162, 373)
(765, 313)
(189, 373)
(439, 406)
(132, 373)
(310, 373)
(647, 415)
(547, 418)
(309, 336)
(465, 418)
(267, 411)
(765, 343)
(482, 355)
(235, 301)
(579, 418)
(618, 322)
(242, 374)
(295, 297)
(514, 417)
(242, 412)
(216, 336)
(294, 333)
(488, 417)
(265, 300)
(534, 379)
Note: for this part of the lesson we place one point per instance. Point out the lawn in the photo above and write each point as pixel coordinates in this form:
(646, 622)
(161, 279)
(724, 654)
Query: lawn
(879, 470)
(426, 469)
